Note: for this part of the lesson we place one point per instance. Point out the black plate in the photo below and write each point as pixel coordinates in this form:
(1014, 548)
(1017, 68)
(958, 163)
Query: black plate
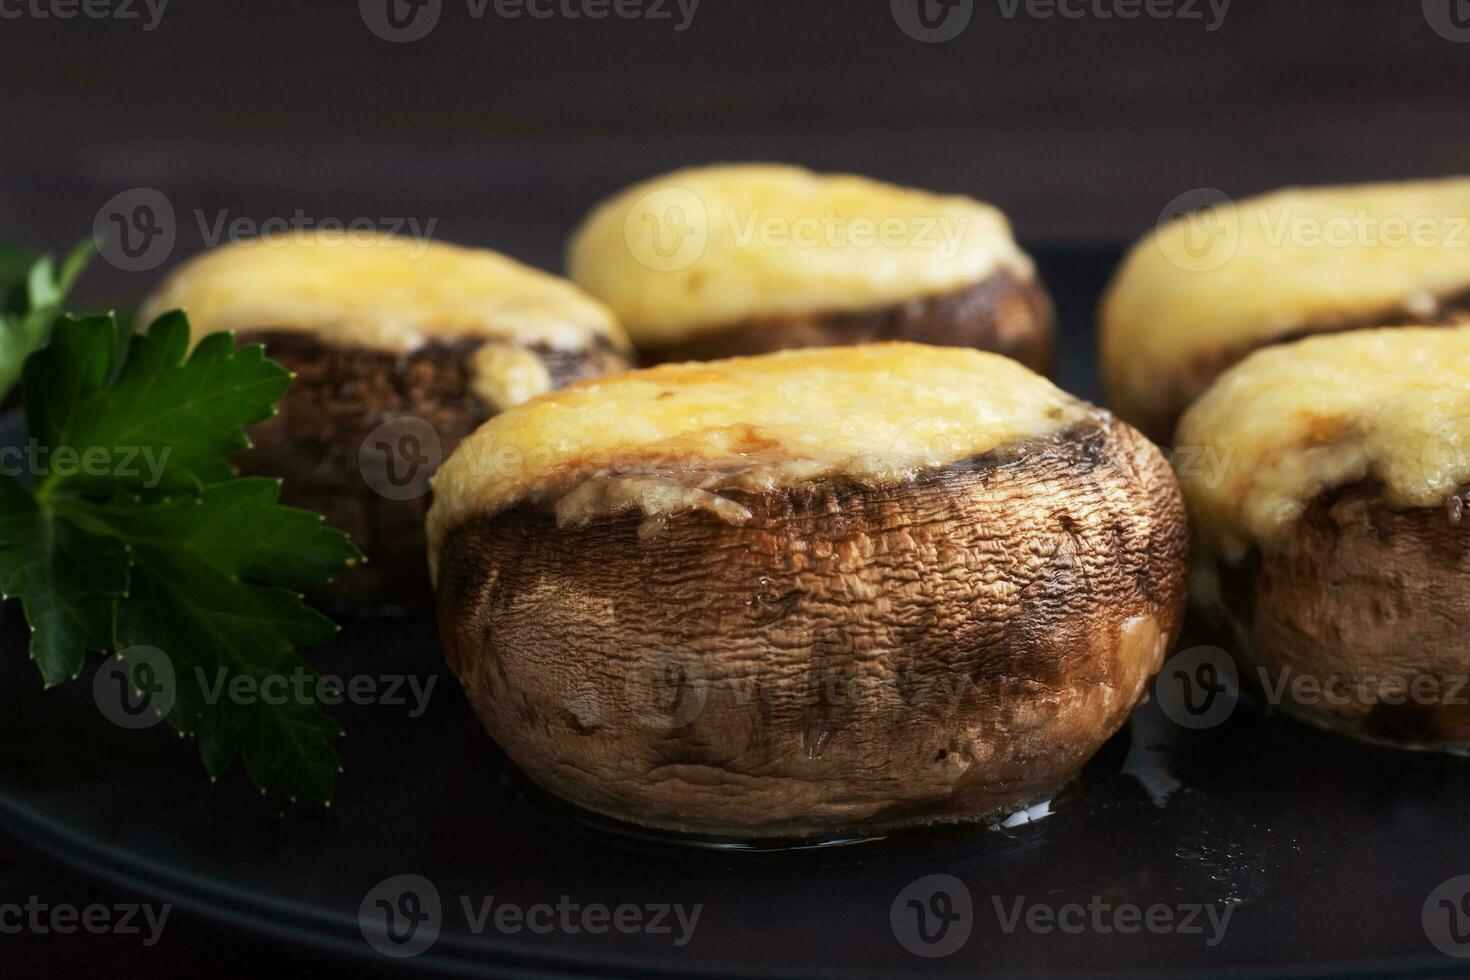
(1325, 852)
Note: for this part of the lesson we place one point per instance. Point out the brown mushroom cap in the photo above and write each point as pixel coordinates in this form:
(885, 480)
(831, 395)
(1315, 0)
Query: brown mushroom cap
(1200, 293)
(361, 431)
(1356, 619)
(1329, 527)
(1003, 314)
(857, 648)
(731, 260)
(399, 349)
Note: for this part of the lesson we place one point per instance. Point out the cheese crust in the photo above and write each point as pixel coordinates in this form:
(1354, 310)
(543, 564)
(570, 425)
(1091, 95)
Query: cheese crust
(1286, 263)
(669, 439)
(709, 247)
(1388, 406)
(381, 292)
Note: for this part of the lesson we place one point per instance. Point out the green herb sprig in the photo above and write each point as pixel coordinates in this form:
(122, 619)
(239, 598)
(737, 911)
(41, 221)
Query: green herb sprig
(31, 295)
(183, 557)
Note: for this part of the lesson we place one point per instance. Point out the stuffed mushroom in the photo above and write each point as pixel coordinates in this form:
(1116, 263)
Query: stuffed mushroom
(399, 348)
(806, 593)
(1331, 527)
(722, 261)
(1205, 290)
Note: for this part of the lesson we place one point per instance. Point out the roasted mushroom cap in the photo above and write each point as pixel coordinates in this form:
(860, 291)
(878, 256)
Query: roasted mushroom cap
(399, 349)
(722, 261)
(813, 592)
(1325, 490)
(1205, 290)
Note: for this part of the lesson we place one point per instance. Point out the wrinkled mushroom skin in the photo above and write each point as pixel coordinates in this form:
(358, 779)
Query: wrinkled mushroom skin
(1157, 412)
(854, 658)
(1004, 314)
(1358, 597)
(338, 397)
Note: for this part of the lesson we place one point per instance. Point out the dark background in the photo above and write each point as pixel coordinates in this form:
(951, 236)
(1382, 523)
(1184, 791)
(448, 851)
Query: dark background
(504, 132)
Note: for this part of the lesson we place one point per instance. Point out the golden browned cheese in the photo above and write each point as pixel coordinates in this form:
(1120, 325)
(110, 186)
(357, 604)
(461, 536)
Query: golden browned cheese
(667, 439)
(1200, 292)
(700, 249)
(1388, 406)
(392, 294)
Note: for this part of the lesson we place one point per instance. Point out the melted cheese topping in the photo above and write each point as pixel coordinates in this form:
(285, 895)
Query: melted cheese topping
(709, 247)
(1233, 278)
(393, 294)
(503, 375)
(672, 438)
(1293, 420)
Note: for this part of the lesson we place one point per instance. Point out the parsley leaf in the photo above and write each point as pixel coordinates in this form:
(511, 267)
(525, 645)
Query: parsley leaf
(31, 305)
(67, 577)
(179, 555)
(189, 415)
